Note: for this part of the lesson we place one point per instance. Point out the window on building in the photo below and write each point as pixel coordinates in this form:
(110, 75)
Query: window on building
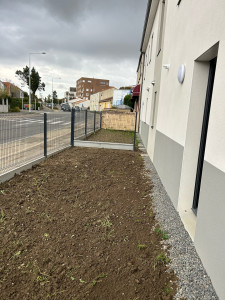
(102, 82)
(87, 90)
(151, 46)
(83, 80)
(161, 25)
(87, 94)
(153, 111)
(89, 81)
(147, 54)
(145, 62)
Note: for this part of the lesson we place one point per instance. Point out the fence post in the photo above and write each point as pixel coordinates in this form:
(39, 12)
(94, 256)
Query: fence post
(100, 120)
(86, 122)
(45, 134)
(135, 131)
(72, 126)
(94, 119)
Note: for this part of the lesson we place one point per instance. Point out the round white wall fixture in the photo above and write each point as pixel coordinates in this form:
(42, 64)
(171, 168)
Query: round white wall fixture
(181, 74)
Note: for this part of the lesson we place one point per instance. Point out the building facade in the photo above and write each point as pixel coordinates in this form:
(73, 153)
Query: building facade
(182, 118)
(118, 96)
(13, 91)
(71, 94)
(88, 86)
(106, 98)
(2, 86)
(94, 101)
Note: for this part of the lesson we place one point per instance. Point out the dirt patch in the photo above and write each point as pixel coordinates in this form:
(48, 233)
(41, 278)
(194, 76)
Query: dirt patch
(80, 226)
(112, 136)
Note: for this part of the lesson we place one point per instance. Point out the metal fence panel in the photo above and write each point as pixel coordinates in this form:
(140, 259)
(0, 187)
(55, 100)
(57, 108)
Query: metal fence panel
(26, 137)
(58, 131)
(90, 122)
(21, 139)
(79, 127)
(98, 120)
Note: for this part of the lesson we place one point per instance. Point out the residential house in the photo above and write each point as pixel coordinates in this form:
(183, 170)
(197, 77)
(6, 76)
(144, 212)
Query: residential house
(106, 98)
(3, 101)
(83, 104)
(94, 101)
(2, 86)
(13, 90)
(182, 117)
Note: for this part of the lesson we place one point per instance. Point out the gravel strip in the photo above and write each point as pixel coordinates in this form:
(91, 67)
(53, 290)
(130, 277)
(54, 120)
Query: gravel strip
(193, 280)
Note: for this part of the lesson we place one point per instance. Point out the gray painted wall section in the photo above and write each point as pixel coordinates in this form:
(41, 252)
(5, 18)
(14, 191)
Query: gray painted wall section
(210, 229)
(168, 156)
(144, 129)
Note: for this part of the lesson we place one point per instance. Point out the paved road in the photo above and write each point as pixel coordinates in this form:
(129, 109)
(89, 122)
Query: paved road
(16, 127)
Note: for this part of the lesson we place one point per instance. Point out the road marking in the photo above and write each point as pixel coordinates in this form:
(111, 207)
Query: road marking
(56, 122)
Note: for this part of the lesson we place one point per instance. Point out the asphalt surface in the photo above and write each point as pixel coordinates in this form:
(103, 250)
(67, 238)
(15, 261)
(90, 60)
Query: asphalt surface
(18, 126)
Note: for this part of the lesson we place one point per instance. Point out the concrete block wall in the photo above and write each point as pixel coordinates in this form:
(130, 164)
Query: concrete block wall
(4, 107)
(118, 120)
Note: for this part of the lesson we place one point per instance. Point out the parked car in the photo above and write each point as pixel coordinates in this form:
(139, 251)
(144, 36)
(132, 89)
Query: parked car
(65, 107)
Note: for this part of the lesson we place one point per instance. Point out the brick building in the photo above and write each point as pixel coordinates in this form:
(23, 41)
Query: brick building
(88, 86)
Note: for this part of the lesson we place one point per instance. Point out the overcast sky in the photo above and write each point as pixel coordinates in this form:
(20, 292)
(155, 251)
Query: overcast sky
(90, 38)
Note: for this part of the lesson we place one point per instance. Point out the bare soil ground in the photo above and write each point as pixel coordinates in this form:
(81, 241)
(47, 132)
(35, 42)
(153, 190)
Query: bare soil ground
(80, 226)
(112, 136)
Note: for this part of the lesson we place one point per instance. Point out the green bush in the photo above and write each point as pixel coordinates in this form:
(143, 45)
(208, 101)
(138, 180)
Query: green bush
(14, 109)
(127, 100)
(17, 102)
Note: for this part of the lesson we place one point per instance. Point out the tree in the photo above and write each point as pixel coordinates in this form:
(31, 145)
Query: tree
(125, 88)
(127, 100)
(49, 99)
(3, 94)
(35, 79)
(55, 97)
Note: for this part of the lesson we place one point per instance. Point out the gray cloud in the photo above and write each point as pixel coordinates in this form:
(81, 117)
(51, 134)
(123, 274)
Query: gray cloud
(81, 38)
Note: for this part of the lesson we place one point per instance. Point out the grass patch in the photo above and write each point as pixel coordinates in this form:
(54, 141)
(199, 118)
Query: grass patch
(141, 246)
(163, 234)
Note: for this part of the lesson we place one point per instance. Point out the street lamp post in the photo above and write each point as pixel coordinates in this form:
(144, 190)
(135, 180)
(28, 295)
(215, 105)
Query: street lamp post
(30, 78)
(52, 88)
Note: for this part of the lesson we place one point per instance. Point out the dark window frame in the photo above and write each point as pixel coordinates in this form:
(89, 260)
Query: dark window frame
(151, 48)
(162, 15)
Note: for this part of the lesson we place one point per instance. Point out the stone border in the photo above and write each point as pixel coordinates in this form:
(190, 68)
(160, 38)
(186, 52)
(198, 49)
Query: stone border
(115, 146)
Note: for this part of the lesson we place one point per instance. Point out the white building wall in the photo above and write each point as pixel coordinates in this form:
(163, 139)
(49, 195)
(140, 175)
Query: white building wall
(192, 33)
(149, 73)
(192, 28)
(94, 101)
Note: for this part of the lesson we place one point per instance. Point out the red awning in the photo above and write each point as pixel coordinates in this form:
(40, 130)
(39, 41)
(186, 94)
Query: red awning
(136, 91)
